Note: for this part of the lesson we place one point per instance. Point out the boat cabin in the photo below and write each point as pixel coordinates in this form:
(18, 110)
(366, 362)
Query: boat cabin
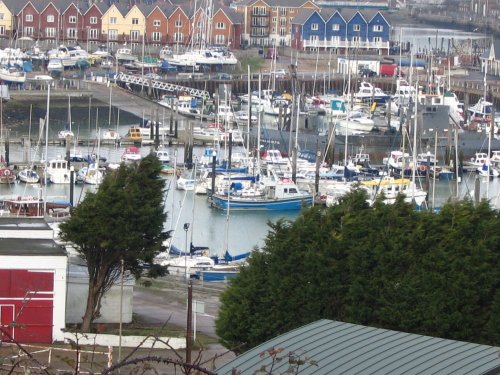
(134, 134)
(28, 206)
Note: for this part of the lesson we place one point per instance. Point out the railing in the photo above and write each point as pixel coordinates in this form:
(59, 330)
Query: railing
(343, 44)
(167, 86)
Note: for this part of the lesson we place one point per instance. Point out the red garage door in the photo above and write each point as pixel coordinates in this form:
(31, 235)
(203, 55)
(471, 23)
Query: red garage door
(26, 305)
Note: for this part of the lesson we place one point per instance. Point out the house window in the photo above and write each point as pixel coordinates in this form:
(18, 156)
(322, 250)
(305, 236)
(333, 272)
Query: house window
(2, 16)
(50, 18)
(156, 36)
(282, 21)
(282, 31)
(283, 11)
(28, 18)
(220, 26)
(275, 19)
(112, 20)
(134, 35)
(72, 19)
(259, 11)
(335, 27)
(93, 20)
(314, 27)
(220, 39)
(113, 34)
(71, 33)
(93, 33)
(356, 39)
(178, 23)
(377, 39)
(50, 32)
(156, 23)
(378, 28)
(356, 27)
(178, 37)
(314, 39)
(2, 30)
(28, 31)
(135, 21)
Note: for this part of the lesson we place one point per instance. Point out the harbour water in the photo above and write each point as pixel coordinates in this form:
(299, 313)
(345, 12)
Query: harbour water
(237, 232)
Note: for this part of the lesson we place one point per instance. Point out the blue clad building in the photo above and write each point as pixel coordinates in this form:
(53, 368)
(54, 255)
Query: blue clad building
(336, 30)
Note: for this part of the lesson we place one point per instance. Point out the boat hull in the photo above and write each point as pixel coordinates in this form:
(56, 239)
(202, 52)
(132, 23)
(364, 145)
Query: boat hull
(260, 203)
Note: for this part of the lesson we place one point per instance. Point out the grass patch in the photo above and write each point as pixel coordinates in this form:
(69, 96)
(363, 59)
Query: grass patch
(256, 64)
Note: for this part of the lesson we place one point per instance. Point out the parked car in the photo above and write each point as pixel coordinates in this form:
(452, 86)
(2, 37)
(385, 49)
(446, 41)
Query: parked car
(225, 76)
(366, 72)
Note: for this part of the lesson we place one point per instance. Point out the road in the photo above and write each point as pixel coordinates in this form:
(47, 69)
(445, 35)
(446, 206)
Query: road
(167, 303)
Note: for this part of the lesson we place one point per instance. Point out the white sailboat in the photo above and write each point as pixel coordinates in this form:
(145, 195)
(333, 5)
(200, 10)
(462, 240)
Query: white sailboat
(65, 133)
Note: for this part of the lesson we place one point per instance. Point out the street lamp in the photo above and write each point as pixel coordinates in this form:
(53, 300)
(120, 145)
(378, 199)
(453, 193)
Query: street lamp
(186, 229)
(88, 33)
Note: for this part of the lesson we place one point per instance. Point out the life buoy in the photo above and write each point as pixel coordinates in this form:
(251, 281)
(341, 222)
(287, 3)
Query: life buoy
(6, 172)
(422, 168)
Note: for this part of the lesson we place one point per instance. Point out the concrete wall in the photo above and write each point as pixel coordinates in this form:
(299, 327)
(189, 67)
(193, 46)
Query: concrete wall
(110, 311)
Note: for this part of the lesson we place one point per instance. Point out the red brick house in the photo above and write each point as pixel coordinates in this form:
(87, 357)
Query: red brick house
(92, 24)
(71, 24)
(156, 25)
(49, 23)
(178, 27)
(28, 21)
(227, 27)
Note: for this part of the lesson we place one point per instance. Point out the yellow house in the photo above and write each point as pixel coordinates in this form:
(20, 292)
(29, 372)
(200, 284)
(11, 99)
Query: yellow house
(135, 22)
(6, 21)
(115, 29)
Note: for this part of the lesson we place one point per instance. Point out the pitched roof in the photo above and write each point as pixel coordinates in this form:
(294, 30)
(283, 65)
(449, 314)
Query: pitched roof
(235, 17)
(303, 15)
(344, 348)
(277, 3)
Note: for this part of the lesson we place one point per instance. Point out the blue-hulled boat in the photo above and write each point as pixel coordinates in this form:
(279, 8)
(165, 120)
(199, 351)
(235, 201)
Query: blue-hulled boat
(270, 196)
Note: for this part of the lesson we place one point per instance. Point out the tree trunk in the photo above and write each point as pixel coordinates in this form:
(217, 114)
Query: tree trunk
(89, 315)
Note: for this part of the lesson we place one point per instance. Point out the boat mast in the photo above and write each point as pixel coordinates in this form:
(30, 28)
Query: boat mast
(46, 124)
(414, 169)
(490, 131)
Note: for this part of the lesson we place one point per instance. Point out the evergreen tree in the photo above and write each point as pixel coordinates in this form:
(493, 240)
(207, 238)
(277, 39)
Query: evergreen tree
(121, 222)
(384, 266)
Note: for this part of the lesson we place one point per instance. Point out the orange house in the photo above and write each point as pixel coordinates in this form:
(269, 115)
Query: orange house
(156, 26)
(226, 28)
(178, 27)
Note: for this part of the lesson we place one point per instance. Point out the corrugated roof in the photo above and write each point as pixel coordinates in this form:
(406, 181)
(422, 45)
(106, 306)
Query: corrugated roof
(344, 348)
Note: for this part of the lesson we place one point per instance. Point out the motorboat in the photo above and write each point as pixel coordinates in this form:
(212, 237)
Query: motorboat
(125, 55)
(58, 171)
(55, 65)
(356, 122)
(92, 175)
(186, 184)
(391, 188)
(69, 56)
(185, 105)
(241, 118)
(368, 93)
(110, 135)
(12, 75)
(271, 195)
(480, 111)
(187, 266)
(162, 155)
(198, 57)
(131, 154)
(28, 176)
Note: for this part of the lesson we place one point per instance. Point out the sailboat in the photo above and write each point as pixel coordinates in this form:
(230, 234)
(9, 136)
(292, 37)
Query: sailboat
(65, 133)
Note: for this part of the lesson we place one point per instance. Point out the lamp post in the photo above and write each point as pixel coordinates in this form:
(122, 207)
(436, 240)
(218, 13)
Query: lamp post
(186, 229)
(88, 33)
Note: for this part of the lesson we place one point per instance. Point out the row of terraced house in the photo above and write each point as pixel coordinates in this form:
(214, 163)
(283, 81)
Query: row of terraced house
(301, 24)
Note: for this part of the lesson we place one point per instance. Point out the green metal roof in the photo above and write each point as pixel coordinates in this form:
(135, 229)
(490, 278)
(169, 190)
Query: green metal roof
(344, 348)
